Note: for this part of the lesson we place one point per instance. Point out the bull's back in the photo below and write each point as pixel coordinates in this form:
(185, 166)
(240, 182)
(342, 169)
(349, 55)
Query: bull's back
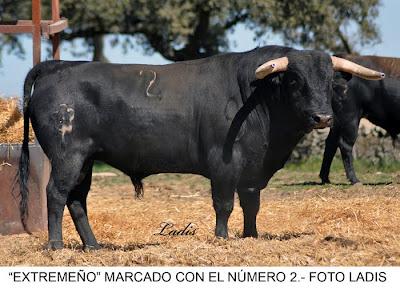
(378, 101)
(133, 116)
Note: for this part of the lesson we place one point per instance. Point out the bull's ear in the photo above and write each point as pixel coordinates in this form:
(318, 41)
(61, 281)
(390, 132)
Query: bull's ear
(340, 85)
(347, 76)
(343, 75)
(275, 79)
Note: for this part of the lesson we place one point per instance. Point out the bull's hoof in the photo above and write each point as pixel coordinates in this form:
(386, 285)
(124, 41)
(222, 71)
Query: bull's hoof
(221, 234)
(55, 245)
(250, 235)
(88, 248)
(325, 181)
(357, 184)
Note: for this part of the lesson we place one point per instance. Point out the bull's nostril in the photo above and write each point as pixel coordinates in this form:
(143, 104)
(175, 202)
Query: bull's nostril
(322, 119)
(327, 119)
(316, 118)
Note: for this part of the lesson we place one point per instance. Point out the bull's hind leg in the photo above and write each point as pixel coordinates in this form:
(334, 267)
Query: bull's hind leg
(55, 209)
(65, 173)
(223, 199)
(250, 203)
(77, 207)
(346, 144)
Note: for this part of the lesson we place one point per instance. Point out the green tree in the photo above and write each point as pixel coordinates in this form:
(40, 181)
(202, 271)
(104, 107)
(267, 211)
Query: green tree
(192, 29)
(92, 19)
(333, 25)
(188, 29)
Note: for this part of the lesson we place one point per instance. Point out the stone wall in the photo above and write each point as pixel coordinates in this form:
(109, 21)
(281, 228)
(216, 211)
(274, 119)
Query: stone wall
(372, 144)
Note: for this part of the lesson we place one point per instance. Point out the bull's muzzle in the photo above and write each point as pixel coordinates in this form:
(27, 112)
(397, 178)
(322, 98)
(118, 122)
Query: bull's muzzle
(322, 120)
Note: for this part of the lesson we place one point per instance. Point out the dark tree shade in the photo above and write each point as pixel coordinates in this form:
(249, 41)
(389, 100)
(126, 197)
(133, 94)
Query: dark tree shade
(189, 29)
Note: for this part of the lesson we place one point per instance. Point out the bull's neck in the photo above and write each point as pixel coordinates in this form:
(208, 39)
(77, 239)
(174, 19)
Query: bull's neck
(284, 128)
(285, 133)
(285, 124)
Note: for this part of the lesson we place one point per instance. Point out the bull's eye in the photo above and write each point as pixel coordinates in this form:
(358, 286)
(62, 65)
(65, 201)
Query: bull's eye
(339, 87)
(292, 81)
(293, 84)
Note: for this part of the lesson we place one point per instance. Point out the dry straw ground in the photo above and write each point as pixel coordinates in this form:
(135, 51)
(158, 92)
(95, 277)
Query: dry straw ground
(299, 224)
(11, 122)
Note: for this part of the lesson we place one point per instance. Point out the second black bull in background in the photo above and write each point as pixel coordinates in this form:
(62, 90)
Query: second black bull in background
(377, 101)
(233, 118)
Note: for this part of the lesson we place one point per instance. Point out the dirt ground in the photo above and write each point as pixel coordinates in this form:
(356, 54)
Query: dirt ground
(300, 223)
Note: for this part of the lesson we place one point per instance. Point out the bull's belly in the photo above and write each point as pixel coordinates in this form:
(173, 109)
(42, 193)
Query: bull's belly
(151, 158)
(148, 143)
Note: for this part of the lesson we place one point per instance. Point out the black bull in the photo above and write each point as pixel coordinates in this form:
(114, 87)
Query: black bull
(379, 102)
(210, 117)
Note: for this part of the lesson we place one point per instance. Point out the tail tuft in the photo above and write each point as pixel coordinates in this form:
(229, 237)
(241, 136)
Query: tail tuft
(137, 183)
(23, 175)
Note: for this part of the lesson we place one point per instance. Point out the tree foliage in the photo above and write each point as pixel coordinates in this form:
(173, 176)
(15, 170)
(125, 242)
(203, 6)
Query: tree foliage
(188, 29)
(334, 25)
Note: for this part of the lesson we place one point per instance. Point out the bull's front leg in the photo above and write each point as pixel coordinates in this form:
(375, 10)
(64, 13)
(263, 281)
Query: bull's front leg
(223, 199)
(250, 203)
(331, 145)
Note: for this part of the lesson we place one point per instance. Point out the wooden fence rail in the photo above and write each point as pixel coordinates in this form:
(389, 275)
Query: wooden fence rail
(38, 28)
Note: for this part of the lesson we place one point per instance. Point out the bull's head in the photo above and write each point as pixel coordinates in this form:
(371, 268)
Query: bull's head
(308, 81)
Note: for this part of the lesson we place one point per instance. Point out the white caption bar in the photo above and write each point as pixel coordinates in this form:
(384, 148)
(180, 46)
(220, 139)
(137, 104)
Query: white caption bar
(181, 277)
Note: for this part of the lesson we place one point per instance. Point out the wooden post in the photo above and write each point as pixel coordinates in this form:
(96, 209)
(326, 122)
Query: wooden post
(38, 27)
(36, 33)
(55, 16)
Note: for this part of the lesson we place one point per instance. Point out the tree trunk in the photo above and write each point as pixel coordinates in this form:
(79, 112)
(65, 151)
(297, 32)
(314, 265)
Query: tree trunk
(98, 51)
(345, 42)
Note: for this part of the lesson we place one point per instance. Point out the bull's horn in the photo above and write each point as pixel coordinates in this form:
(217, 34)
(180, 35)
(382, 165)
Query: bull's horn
(272, 66)
(341, 64)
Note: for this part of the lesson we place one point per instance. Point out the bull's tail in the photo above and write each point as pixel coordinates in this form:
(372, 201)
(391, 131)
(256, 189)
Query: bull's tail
(24, 158)
(23, 172)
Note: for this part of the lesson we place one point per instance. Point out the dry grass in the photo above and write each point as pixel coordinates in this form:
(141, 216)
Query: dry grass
(11, 122)
(298, 225)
